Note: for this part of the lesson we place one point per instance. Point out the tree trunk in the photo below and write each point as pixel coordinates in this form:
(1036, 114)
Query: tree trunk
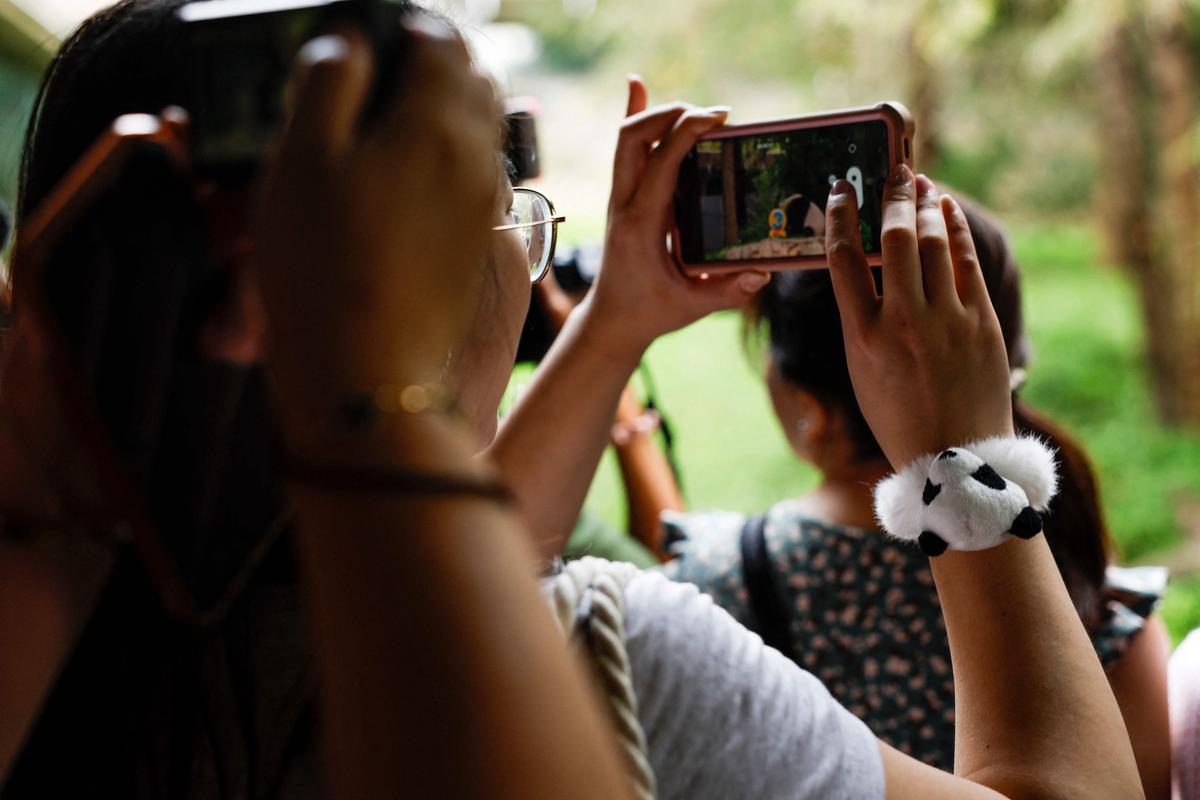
(925, 97)
(1169, 285)
(1122, 195)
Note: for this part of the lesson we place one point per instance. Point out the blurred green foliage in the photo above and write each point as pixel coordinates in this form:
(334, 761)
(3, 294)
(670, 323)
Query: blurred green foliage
(1006, 87)
(18, 85)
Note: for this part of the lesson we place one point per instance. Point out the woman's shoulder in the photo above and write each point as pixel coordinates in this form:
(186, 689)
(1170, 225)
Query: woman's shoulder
(713, 539)
(687, 531)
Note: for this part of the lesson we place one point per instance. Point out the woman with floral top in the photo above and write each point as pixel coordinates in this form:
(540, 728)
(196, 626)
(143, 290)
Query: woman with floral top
(858, 609)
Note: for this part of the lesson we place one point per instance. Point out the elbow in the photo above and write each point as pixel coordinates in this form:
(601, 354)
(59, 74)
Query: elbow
(1022, 784)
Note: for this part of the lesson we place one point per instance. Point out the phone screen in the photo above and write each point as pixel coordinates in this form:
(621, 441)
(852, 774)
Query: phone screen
(763, 196)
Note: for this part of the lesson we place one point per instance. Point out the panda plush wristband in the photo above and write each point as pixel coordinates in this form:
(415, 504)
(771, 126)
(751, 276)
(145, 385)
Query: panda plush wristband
(971, 497)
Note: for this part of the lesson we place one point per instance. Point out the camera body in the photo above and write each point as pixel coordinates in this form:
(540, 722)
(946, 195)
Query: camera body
(243, 52)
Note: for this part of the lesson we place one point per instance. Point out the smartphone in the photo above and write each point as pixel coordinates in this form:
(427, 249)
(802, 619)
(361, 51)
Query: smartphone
(113, 272)
(753, 196)
(242, 54)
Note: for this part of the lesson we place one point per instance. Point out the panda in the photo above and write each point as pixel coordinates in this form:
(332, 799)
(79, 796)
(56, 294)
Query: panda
(966, 499)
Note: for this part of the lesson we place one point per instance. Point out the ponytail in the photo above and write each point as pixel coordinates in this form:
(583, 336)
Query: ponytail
(1074, 526)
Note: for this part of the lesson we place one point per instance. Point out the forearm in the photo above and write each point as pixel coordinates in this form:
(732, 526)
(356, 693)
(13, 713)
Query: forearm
(1034, 714)
(442, 670)
(650, 489)
(548, 447)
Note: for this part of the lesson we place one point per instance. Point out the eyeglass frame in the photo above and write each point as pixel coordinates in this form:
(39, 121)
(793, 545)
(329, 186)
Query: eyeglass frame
(553, 221)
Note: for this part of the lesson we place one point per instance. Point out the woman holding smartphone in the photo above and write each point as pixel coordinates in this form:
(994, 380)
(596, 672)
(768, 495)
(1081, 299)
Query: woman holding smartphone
(853, 604)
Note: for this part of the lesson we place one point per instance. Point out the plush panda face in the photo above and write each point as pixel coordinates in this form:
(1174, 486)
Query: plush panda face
(954, 465)
(968, 502)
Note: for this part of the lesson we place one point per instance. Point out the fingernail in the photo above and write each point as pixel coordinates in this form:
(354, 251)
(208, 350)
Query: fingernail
(718, 110)
(750, 282)
(901, 175)
(329, 47)
(434, 28)
(841, 187)
(632, 77)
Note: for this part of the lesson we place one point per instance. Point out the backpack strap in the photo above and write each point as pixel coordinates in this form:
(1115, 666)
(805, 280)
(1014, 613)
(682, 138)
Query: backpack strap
(766, 606)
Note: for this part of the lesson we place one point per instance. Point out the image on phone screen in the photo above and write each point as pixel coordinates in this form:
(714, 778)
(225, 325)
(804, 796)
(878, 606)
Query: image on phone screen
(763, 196)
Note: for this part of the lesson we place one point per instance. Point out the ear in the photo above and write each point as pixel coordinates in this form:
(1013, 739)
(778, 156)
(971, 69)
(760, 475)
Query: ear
(805, 419)
(814, 418)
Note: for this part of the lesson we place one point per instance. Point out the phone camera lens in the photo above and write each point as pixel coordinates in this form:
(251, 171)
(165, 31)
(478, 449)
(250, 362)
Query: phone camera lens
(853, 149)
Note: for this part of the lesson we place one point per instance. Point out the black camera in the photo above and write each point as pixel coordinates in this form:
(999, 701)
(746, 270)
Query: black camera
(520, 140)
(242, 55)
(575, 272)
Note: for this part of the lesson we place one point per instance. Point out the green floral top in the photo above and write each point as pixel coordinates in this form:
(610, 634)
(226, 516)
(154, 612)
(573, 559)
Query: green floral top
(865, 615)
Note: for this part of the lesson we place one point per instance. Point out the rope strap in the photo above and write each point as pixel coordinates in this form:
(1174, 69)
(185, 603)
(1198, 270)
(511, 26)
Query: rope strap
(588, 600)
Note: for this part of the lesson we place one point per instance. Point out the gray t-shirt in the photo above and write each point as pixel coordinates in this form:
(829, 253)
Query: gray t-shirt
(725, 716)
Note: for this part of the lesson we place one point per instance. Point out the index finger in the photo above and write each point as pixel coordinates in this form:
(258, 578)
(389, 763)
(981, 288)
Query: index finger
(333, 75)
(853, 284)
(662, 169)
(639, 98)
(638, 135)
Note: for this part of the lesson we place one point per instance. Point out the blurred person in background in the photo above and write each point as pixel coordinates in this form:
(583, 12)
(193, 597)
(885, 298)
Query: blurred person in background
(854, 605)
(1185, 717)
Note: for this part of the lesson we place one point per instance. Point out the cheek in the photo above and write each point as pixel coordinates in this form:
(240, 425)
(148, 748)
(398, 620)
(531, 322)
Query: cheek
(512, 274)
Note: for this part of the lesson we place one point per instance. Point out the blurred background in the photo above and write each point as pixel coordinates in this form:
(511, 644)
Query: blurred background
(1074, 120)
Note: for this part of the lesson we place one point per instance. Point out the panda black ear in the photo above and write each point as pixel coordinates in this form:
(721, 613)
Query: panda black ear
(1027, 525)
(931, 544)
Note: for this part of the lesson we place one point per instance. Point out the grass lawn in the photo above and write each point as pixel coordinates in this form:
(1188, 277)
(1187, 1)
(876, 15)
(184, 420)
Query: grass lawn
(1087, 373)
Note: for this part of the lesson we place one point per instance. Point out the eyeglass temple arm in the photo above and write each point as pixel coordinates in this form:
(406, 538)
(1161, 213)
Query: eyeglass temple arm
(551, 221)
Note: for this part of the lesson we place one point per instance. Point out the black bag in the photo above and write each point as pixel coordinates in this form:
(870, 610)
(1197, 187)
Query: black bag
(766, 605)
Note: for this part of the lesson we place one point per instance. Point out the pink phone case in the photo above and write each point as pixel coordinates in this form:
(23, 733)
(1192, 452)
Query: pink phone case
(900, 127)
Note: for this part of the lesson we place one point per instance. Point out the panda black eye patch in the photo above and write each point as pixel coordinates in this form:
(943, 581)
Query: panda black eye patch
(989, 478)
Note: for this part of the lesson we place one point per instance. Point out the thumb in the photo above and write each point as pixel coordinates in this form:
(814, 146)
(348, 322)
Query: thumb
(732, 291)
(639, 98)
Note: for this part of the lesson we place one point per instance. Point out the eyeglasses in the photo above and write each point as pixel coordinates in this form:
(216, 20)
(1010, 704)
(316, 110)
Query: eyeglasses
(534, 219)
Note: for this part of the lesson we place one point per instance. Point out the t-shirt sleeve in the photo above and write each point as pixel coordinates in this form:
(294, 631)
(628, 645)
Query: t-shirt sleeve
(727, 716)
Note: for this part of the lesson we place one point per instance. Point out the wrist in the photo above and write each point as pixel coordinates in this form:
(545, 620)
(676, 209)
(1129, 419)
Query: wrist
(408, 422)
(971, 496)
(608, 336)
(938, 440)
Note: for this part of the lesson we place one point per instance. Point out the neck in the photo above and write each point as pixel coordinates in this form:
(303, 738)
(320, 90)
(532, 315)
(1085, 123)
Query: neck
(845, 495)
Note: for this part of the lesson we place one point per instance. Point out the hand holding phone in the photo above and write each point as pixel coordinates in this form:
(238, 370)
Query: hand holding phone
(639, 293)
(369, 242)
(753, 196)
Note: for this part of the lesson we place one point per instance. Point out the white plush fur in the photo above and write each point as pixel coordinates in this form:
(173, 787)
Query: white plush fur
(1024, 460)
(967, 514)
(898, 499)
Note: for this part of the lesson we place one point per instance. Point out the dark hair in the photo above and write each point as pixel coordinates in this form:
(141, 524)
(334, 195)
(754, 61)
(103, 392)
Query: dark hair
(133, 710)
(798, 314)
(125, 59)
